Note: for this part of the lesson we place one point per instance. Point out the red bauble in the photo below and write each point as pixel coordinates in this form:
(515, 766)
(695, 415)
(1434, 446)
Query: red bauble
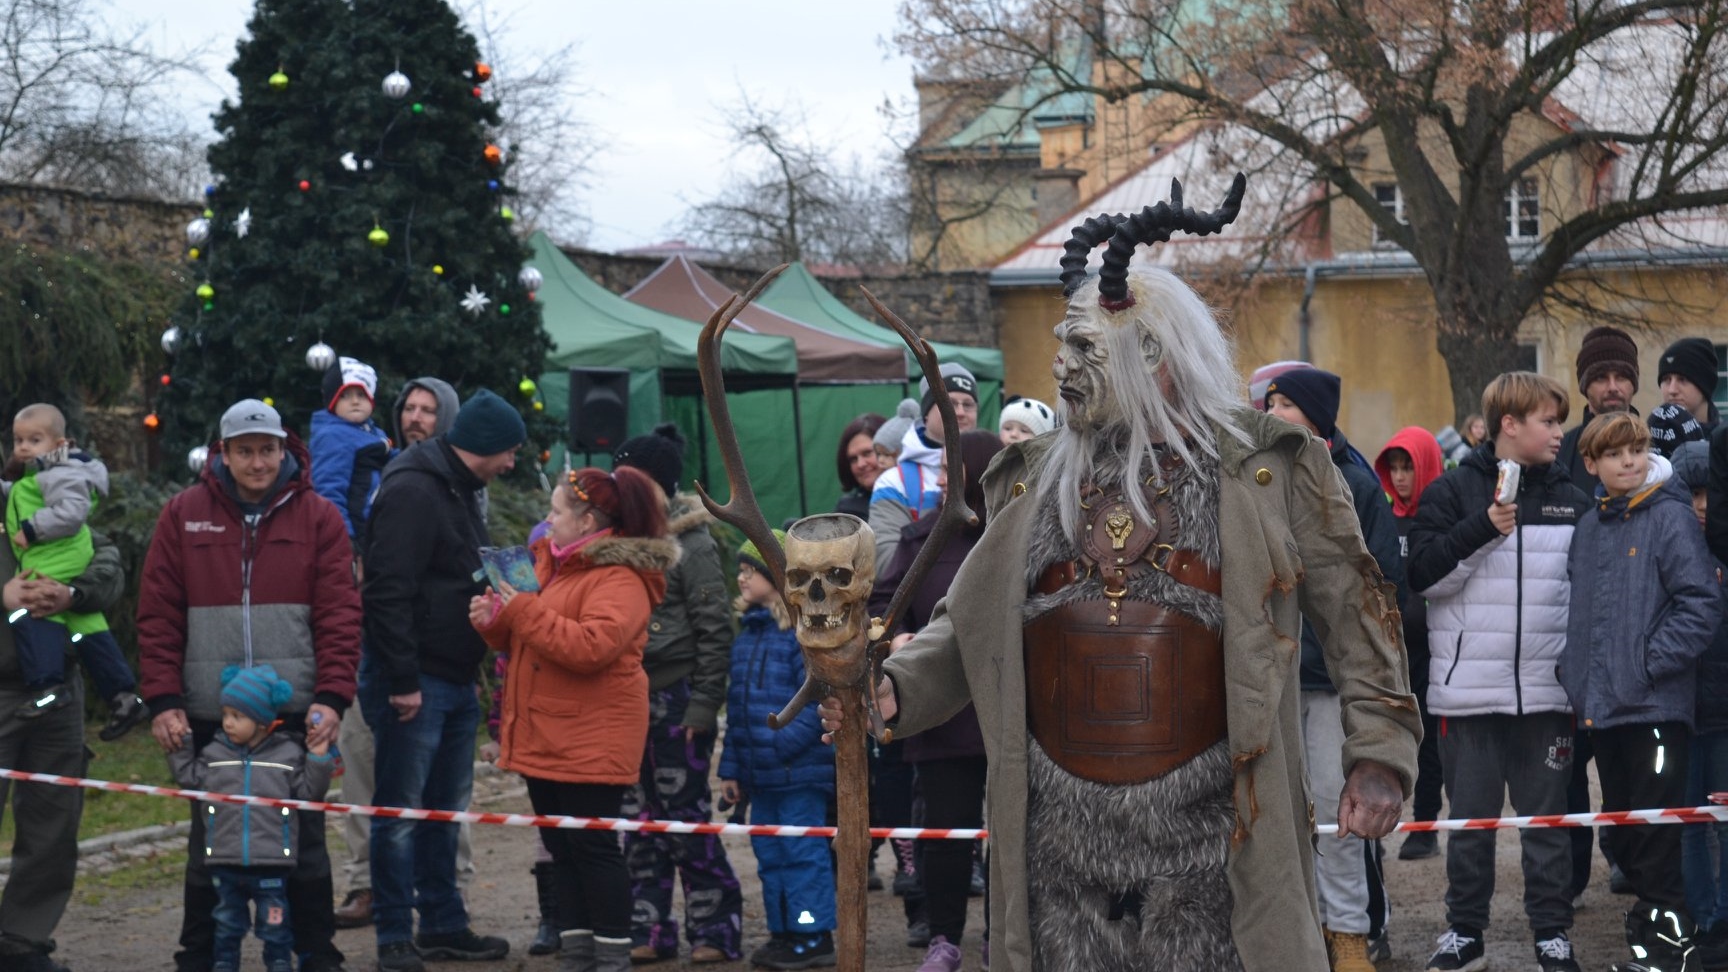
(477, 91)
(151, 422)
(305, 185)
(166, 380)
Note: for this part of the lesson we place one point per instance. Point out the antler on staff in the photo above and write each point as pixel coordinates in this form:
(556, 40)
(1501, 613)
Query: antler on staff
(741, 510)
(952, 514)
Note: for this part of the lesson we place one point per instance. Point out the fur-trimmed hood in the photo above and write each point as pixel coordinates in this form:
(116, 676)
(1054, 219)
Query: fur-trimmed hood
(685, 512)
(636, 553)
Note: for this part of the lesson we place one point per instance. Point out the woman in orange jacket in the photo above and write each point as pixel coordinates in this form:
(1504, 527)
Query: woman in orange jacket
(575, 712)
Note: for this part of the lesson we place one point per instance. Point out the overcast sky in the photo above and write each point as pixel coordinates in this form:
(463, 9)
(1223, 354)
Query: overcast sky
(657, 72)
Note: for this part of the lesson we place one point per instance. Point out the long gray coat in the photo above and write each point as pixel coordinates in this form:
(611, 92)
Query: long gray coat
(1290, 548)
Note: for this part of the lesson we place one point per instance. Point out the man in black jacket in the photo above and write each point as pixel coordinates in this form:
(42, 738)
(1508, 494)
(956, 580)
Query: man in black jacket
(45, 851)
(1346, 871)
(418, 674)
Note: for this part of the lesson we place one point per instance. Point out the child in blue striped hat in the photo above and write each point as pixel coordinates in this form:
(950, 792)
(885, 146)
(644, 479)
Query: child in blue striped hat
(250, 848)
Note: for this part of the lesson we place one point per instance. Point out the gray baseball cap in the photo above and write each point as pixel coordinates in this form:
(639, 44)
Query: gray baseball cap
(251, 417)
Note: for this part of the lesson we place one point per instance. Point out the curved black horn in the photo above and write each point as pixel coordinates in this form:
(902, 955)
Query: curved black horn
(1154, 224)
(1078, 249)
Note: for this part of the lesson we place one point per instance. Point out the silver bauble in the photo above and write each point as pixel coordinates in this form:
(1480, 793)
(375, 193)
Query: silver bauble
(530, 279)
(198, 231)
(196, 457)
(396, 85)
(320, 356)
(171, 340)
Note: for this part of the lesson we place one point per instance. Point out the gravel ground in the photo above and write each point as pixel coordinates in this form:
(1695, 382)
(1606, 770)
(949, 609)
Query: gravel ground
(135, 931)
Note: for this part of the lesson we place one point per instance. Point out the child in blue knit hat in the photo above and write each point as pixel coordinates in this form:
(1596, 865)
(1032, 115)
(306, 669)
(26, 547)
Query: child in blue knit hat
(251, 848)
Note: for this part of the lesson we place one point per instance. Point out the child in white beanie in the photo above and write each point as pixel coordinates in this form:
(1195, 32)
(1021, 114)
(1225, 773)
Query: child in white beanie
(348, 449)
(1025, 418)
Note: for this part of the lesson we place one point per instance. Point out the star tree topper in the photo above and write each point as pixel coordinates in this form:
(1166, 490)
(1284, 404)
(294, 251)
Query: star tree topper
(474, 302)
(243, 223)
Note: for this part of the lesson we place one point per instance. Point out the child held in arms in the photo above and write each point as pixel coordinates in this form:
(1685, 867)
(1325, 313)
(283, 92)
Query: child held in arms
(348, 449)
(51, 488)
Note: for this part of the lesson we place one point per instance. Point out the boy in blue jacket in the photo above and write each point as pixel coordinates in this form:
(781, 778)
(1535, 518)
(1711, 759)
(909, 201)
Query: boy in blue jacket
(787, 774)
(349, 450)
(1645, 605)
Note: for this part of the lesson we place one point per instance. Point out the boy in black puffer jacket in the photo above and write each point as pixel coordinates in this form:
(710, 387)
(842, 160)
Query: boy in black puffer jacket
(250, 847)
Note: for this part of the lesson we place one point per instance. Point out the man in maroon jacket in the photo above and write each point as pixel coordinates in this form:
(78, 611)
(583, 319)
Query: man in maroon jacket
(250, 566)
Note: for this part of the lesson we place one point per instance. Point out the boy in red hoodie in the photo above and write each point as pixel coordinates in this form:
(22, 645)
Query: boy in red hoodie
(1410, 461)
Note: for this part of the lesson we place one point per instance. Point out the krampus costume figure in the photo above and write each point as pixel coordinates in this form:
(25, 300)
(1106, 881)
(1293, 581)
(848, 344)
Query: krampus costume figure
(1129, 629)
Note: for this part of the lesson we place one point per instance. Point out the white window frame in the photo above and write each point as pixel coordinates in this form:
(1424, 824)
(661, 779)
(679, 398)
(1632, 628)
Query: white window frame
(1523, 205)
(1397, 208)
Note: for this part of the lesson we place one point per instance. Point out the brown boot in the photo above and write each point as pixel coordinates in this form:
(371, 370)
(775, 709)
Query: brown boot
(1349, 953)
(356, 909)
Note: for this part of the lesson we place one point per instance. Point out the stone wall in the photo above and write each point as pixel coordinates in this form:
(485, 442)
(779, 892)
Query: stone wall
(952, 306)
(120, 228)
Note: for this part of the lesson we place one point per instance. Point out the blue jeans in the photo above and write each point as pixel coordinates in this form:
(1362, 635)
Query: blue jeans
(424, 763)
(797, 873)
(1706, 873)
(42, 657)
(267, 889)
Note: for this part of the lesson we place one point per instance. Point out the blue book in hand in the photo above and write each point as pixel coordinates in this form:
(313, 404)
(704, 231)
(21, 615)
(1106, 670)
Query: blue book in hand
(509, 565)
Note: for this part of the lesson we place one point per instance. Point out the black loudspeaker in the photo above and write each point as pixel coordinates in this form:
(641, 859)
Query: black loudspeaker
(599, 408)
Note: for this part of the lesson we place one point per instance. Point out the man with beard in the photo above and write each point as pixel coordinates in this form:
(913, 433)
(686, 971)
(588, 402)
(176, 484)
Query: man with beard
(1128, 628)
(1608, 376)
(425, 408)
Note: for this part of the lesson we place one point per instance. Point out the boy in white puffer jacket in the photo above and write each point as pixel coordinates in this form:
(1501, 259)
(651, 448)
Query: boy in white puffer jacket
(1495, 576)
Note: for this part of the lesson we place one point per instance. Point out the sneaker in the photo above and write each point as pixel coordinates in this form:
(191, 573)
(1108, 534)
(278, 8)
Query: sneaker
(399, 957)
(905, 868)
(461, 946)
(45, 701)
(127, 711)
(917, 934)
(1420, 845)
(1459, 950)
(356, 909)
(1555, 954)
(800, 952)
(942, 956)
(1379, 947)
(1348, 952)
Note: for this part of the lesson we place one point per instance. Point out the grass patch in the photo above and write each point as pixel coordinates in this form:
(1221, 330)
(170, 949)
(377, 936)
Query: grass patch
(163, 869)
(135, 758)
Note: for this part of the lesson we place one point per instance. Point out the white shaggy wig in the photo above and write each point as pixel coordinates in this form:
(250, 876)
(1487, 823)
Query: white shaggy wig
(1168, 331)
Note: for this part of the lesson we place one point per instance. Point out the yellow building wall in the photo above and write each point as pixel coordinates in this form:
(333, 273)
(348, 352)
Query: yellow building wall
(1378, 336)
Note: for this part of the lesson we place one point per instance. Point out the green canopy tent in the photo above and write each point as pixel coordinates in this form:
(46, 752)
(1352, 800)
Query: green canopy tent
(799, 295)
(591, 327)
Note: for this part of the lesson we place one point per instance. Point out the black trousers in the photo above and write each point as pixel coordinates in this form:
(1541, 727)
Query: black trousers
(587, 865)
(1643, 767)
(311, 893)
(953, 798)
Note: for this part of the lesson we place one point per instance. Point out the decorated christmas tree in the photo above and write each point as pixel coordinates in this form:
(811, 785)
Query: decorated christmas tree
(359, 209)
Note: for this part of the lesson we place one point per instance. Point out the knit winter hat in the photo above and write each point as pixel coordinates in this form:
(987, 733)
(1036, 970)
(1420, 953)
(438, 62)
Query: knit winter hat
(1607, 349)
(1692, 463)
(1672, 426)
(487, 426)
(659, 454)
(1029, 412)
(955, 378)
(1313, 391)
(348, 373)
(893, 432)
(1693, 359)
(749, 555)
(257, 691)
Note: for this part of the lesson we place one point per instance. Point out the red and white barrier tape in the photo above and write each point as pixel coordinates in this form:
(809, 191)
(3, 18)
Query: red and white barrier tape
(1612, 818)
(502, 819)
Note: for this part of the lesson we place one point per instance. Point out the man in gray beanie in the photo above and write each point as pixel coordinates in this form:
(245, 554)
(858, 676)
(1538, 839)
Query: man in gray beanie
(418, 671)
